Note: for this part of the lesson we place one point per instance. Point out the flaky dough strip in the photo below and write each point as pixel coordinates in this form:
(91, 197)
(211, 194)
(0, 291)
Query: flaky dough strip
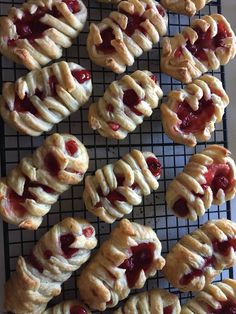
(187, 7)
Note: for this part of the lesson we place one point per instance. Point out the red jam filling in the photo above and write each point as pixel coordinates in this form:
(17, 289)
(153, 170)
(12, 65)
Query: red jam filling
(195, 121)
(107, 36)
(31, 28)
(81, 75)
(168, 310)
(134, 21)
(51, 164)
(35, 263)
(228, 307)
(66, 240)
(161, 10)
(88, 232)
(131, 100)
(154, 166)
(47, 254)
(181, 208)
(114, 126)
(224, 247)
(141, 259)
(24, 105)
(205, 41)
(77, 309)
(71, 147)
(154, 78)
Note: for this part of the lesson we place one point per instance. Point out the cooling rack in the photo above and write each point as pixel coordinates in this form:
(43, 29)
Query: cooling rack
(148, 136)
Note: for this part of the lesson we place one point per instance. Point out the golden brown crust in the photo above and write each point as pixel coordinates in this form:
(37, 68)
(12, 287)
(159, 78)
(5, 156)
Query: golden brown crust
(39, 278)
(30, 189)
(200, 256)
(65, 307)
(207, 88)
(47, 47)
(187, 7)
(179, 62)
(103, 282)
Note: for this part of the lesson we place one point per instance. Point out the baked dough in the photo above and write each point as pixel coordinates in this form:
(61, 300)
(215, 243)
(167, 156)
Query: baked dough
(201, 255)
(123, 36)
(190, 114)
(106, 280)
(215, 299)
(45, 97)
(156, 301)
(208, 178)
(124, 104)
(114, 189)
(68, 307)
(207, 44)
(30, 189)
(35, 34)
(187, 7)
(110, 1)
(38, 278)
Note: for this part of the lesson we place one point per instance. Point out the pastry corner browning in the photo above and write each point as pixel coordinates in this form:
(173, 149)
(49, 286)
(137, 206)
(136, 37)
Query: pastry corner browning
(187, 7)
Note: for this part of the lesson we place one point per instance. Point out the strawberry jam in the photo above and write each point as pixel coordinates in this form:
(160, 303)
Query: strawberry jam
(81, 75)
(66, 240)
(131, 100)
(154, 78)
(154, 166)
(47, 254)
(114, 126)
(107, 36)
(224, 247)
(24, 105)
(195, 121)
(228, 307)
(77, 309)
(134, 21)
(51, 164)
(181, 208)
(32, 260)
(141, 259)
(71, 147)
(88, 232)
(168, 309)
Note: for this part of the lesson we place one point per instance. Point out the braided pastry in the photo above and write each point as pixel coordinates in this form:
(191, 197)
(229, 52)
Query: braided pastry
(207, 44)
(190, 114)
(156, 301)
(219, 298)
(45, 97)
(29, 190)
(124, 104)
(68, 307)
(61, 251)
(201, 255)
(113, 191)
(187, 7)
(126, 34)
(208, 178)
(123, 262)
(35, 34)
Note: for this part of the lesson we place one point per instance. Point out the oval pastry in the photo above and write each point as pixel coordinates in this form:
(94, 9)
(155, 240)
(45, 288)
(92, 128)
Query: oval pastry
(123, 262)
(219, 298)
(201, 255)
(68, 307)
(156, 301)
(114, 189)
(208, 178)
(44, 97)
(35, 34)
(206, 45)
(118, 39)
(187, 7)
(190, 114)
(30, 189)
(38, 278)
(124, 104)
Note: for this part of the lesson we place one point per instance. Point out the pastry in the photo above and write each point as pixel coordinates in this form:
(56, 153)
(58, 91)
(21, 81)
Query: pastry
(44, 97)
(115, 188)
(118, 39)
(38, 278)
(68, 307)
(124, 104)
(30, 189)
(123, 262)
(190, 114)
(219, 298)
(110, 1)
(35, 34)
(201, 255)
(208, 178)
(187, 7)
(156, 301)
(206, 45)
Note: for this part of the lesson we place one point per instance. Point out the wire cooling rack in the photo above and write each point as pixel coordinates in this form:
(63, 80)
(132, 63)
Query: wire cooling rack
(148, 136)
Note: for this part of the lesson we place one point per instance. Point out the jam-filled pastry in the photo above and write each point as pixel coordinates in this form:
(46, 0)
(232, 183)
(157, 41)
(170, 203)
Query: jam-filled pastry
(45, 97)
(201, 255)
(68, 307)
(124, 104)
(217, 298)
(124, 262)
(190, 114)
(115, 188)
(206, 45)
(30, 189)
(38, 278)
(187, 7)
(118, 39)
(156, 301)
(208, 178)
(35, 34)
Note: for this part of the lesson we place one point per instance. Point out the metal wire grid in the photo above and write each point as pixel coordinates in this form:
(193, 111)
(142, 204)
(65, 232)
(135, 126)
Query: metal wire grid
(148, 136)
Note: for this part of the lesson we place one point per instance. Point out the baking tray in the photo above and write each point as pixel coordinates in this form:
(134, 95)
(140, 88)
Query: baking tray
(148, 136)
